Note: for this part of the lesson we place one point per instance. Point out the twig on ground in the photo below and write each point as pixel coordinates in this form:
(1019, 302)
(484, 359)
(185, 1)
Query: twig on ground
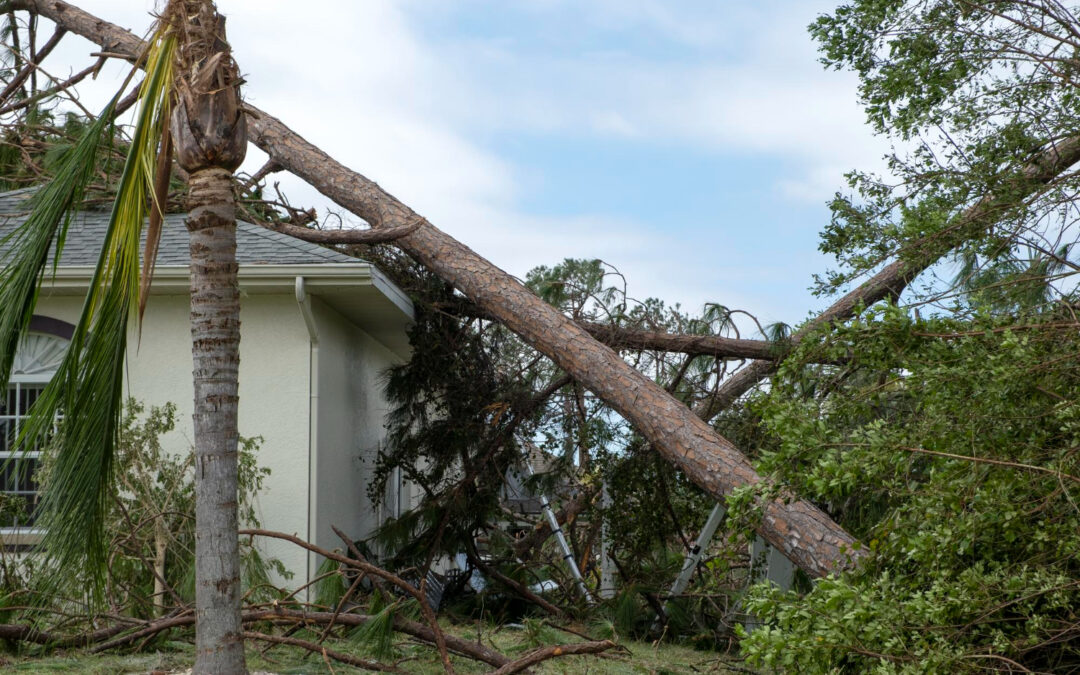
(326, 652)
(545, 653)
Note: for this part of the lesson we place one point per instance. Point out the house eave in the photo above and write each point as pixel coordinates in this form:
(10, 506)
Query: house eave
(174, 278)
(359, 291)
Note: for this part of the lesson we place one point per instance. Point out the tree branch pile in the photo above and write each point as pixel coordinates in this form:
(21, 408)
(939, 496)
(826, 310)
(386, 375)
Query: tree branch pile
(290, 615)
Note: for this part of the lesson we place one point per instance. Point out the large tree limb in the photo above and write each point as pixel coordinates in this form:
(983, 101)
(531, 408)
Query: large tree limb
(804, 533)
(106, 638)
(544, 653)
(377, 572)
(619, 337)
(892, 279)
(626, 337)
(372, 236)
(23, 633)
(469, 648)
(351, 660)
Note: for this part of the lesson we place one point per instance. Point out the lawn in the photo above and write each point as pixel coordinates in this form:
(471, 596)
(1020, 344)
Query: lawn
(175, 657)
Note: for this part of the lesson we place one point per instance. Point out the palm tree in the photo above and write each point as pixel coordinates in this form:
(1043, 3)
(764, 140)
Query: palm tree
(190, 107)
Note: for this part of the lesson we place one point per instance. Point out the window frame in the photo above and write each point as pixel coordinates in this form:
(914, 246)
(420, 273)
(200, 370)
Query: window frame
(17, 381)
(22, 536)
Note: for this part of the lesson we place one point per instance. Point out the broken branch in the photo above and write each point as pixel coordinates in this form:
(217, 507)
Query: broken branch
(369, 237)
(325, 651)
(545, 653)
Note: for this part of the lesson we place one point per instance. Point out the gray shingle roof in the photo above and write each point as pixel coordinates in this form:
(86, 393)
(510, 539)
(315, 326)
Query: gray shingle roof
(254, 245)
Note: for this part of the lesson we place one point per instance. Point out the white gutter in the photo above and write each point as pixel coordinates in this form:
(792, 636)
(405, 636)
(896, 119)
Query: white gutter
(304, 302)
(251, 277)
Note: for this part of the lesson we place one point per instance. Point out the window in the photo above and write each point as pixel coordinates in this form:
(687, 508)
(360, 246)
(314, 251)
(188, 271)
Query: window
(36, 361)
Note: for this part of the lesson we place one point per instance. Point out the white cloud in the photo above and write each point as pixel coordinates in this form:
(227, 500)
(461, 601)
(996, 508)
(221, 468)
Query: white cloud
(360, 80)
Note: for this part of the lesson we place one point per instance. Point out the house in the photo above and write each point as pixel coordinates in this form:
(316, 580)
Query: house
(318, 329)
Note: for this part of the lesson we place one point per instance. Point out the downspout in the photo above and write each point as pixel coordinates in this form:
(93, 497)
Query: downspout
(607, 573)
(304, 302)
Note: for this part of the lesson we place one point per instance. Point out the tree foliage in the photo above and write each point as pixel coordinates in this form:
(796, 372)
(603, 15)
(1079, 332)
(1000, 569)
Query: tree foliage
(475, 403)
(149, 529)
(947, 440)
(970, 91)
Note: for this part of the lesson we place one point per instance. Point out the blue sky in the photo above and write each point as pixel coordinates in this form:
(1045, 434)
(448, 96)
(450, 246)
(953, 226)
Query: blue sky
(690, 144)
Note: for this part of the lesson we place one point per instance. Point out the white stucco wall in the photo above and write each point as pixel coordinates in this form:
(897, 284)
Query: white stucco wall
(274, 394)
(351, 415)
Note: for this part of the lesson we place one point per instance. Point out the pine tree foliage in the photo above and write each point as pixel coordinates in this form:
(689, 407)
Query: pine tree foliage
(451, 431)
(474, 401)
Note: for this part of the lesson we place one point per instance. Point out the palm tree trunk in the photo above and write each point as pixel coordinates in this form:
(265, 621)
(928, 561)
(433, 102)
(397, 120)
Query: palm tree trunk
(215, 335)
(209, 135)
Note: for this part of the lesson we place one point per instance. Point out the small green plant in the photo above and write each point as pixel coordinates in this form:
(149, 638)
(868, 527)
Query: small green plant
(150, 520)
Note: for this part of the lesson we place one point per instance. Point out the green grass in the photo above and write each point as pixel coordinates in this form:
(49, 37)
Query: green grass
(631, 657)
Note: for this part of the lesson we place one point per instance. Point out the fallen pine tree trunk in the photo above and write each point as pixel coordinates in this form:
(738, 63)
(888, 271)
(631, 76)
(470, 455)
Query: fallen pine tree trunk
(803, 532)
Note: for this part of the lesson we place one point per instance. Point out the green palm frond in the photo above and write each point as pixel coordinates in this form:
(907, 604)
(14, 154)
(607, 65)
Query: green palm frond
(87, 388)
(27, 247)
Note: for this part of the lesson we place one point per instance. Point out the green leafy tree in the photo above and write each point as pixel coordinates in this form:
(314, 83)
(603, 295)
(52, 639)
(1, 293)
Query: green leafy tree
(943, 437)
(972, 92)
